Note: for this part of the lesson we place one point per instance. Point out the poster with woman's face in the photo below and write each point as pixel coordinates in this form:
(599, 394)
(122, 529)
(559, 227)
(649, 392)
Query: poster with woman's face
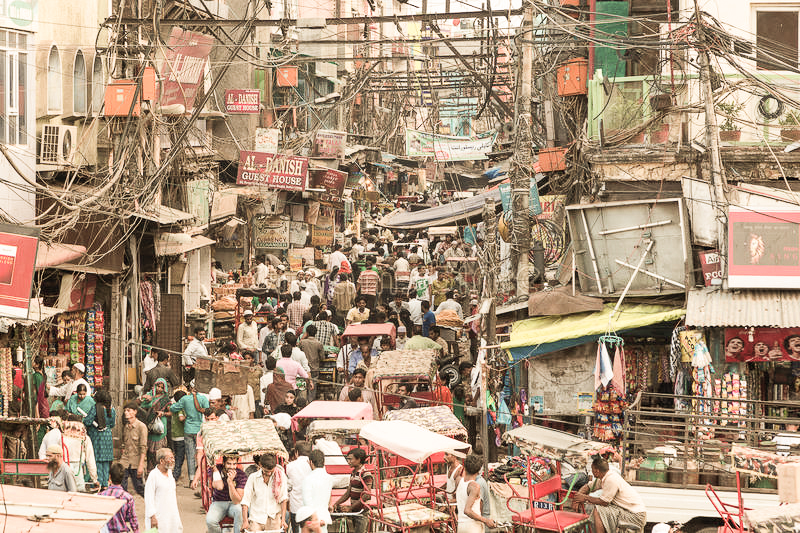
(762, 344)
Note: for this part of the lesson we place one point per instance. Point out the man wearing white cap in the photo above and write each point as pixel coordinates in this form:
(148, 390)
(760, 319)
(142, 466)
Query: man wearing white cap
(60, 476)
(247, 333)
(78, 370)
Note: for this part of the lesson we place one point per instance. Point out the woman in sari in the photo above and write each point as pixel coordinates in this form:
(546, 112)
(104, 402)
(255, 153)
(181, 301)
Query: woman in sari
(156, 404)
(99, 423)
(80, 403)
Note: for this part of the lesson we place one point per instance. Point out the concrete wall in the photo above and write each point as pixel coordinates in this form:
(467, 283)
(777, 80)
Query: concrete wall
(559, 376)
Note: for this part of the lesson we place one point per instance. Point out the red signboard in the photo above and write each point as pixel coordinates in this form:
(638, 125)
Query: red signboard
(184, 66)
(763, 249)
(17, 261)
(242, 101)
(711, 266)
(333, 181)
(277, 171)
(762, 344)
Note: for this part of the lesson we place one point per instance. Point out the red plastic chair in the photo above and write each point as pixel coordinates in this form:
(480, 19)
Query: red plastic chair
(732, 515)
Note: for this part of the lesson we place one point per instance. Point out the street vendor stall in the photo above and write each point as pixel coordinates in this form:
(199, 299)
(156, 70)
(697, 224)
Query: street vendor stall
(243, 438)
(415, 368)
(406, 495)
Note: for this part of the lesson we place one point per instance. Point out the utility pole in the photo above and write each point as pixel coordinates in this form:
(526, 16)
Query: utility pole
(523, 156)
(489, 292)
(719, 183)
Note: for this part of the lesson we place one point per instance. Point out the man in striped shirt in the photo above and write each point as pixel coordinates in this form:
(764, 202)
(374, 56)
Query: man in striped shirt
(369, 284)
(295, 311)
(125, 519)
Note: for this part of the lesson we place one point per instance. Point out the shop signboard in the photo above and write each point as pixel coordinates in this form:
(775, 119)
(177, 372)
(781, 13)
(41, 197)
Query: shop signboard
(298, 231)
(242, 101)
(746, 345)
(763, 248)
(448, 148)
(267, 140)
(270, 232)
(184, 65)
(333, 181)
(712, 267)
(322, 231)
(300, 258)
(329, 144)
(18, 247)
(276, 171)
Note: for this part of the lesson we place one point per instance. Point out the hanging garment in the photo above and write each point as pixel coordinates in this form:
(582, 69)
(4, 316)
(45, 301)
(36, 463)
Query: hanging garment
(618, 379)
(603, 369)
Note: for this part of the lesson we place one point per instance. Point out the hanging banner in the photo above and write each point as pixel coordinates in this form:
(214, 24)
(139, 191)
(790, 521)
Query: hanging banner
(267, 140)
(322, 232)
(298, 232)
(184, 66)
(270, 232)
(448, 148)
(18, 247)
(329, 144)
(277, 171)
(242, 101)
(333, 181)
(762, 344)
(312, 213)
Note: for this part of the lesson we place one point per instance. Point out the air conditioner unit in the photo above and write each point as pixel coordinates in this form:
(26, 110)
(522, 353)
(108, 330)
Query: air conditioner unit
(59, 145)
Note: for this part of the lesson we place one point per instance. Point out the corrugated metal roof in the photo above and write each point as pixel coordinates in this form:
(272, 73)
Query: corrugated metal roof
(713, 307)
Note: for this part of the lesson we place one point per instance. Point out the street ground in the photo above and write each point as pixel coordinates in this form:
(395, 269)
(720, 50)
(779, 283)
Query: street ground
(190, 507)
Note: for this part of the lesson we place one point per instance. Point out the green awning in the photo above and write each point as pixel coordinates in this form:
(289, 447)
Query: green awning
(536, 336)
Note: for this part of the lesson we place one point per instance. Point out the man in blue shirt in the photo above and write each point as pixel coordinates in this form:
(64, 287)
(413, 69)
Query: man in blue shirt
(364, 354)
(428, 318)
(193, 404)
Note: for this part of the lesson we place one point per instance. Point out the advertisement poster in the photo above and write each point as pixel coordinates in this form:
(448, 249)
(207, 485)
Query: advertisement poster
(277, 171)
(270, 232)
(184, 66)
(18, 247)
(763, 249)
(448, 148)
(300, 258)
(242, 101)
(762, 344)
(329, 144)
(267, 140)
(322, 232)
(333, 181)
(298, 231)
(585, 402)
(711, 266)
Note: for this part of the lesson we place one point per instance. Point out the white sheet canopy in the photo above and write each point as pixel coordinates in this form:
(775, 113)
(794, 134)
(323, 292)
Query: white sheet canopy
(410, 441)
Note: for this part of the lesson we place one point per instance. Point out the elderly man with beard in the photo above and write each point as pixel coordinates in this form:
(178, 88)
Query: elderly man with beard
(160, 499)
(60, 476)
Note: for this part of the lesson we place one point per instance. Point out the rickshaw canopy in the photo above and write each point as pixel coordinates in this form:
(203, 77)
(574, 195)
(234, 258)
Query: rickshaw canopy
(558, 445)
(334, 410)
(438, 418)
(319, 428)
(370, 330)
(409, 441)
(402, 363)
(241, 437)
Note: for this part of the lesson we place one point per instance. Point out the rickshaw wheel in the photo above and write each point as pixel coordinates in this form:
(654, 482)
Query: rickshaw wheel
(451, 374)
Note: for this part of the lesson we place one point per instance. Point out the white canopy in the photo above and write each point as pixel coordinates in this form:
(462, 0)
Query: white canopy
(410, 441)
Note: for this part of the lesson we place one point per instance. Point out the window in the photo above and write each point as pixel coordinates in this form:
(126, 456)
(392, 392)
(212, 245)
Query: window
(80, 85)
(54, 82)
(776, 40)
(13, 87)
(98, 85)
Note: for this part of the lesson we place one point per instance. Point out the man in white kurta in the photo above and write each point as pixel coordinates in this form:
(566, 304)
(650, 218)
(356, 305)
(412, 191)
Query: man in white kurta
(160, 499)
